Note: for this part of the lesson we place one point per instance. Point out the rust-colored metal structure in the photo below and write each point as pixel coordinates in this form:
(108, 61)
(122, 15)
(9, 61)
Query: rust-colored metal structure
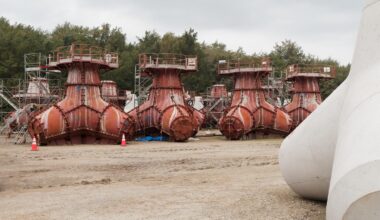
(218, 91)
(306, 94)
(250, 114)
(166, 111)
(82, 117)
(110, 93)
(109, 89)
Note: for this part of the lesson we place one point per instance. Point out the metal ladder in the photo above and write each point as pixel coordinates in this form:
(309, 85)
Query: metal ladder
(142, 85)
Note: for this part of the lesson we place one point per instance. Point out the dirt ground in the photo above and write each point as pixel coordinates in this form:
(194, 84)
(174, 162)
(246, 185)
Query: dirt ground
(210, 178)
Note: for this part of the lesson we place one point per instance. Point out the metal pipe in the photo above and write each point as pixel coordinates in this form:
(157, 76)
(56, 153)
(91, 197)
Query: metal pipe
(307, 154)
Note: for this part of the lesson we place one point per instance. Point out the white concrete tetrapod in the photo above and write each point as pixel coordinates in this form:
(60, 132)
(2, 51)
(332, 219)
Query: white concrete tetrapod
(335, 152)
(306, 155)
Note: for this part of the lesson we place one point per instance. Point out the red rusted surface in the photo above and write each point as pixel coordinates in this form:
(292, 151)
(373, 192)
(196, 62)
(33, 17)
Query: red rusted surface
(109, 89)
(249, 112)
(305, 89)
(218, 91)
(166, 111)
(110, 93)
(82, 117)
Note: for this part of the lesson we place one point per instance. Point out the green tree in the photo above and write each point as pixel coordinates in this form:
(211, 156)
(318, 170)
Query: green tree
(286, 53)
(149, 43)
(169, 44)
(18, 39)
(15, 41)
(66, 34)
(328, 86)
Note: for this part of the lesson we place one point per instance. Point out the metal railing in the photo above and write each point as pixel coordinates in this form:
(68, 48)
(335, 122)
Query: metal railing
(227, 65)
(83, 52)
(311, 70)
(157, 59)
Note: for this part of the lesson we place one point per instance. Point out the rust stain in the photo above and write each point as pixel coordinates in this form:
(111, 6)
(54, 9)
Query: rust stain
(218, 91)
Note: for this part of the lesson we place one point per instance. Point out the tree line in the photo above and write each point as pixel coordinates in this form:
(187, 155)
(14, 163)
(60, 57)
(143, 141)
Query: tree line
(18, 39)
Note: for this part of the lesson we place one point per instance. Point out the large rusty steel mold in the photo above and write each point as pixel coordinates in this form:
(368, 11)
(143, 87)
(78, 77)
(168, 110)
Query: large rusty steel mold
(306, 95)
(82, 117)
(112, 94)
(218, 91)
(166, 111)
(250, 114)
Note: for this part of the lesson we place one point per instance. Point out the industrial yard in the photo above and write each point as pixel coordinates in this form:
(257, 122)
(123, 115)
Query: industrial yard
(204, 178)
(123, 116)
(64, 156)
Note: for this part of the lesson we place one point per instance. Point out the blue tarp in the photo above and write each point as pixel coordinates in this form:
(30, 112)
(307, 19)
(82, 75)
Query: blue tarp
(150, 138)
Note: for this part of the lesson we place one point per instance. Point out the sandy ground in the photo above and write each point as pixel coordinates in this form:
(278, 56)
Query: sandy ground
(206, 179)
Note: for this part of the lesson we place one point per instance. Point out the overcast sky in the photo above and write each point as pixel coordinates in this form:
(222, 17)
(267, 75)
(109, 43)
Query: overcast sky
(326, 28)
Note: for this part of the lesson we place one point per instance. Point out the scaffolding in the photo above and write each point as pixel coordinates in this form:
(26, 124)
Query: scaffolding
(19, 96)
(277, 89)
(8, 103)
(40, 86)
(142, 85)
(215, 101)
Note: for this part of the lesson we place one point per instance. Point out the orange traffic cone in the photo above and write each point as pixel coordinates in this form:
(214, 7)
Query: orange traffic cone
(123, 141)
(34, 144)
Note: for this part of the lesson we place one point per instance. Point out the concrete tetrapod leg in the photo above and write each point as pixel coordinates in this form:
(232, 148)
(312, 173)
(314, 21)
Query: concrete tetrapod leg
(354, 122)
(312, 144)
(355, 183)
